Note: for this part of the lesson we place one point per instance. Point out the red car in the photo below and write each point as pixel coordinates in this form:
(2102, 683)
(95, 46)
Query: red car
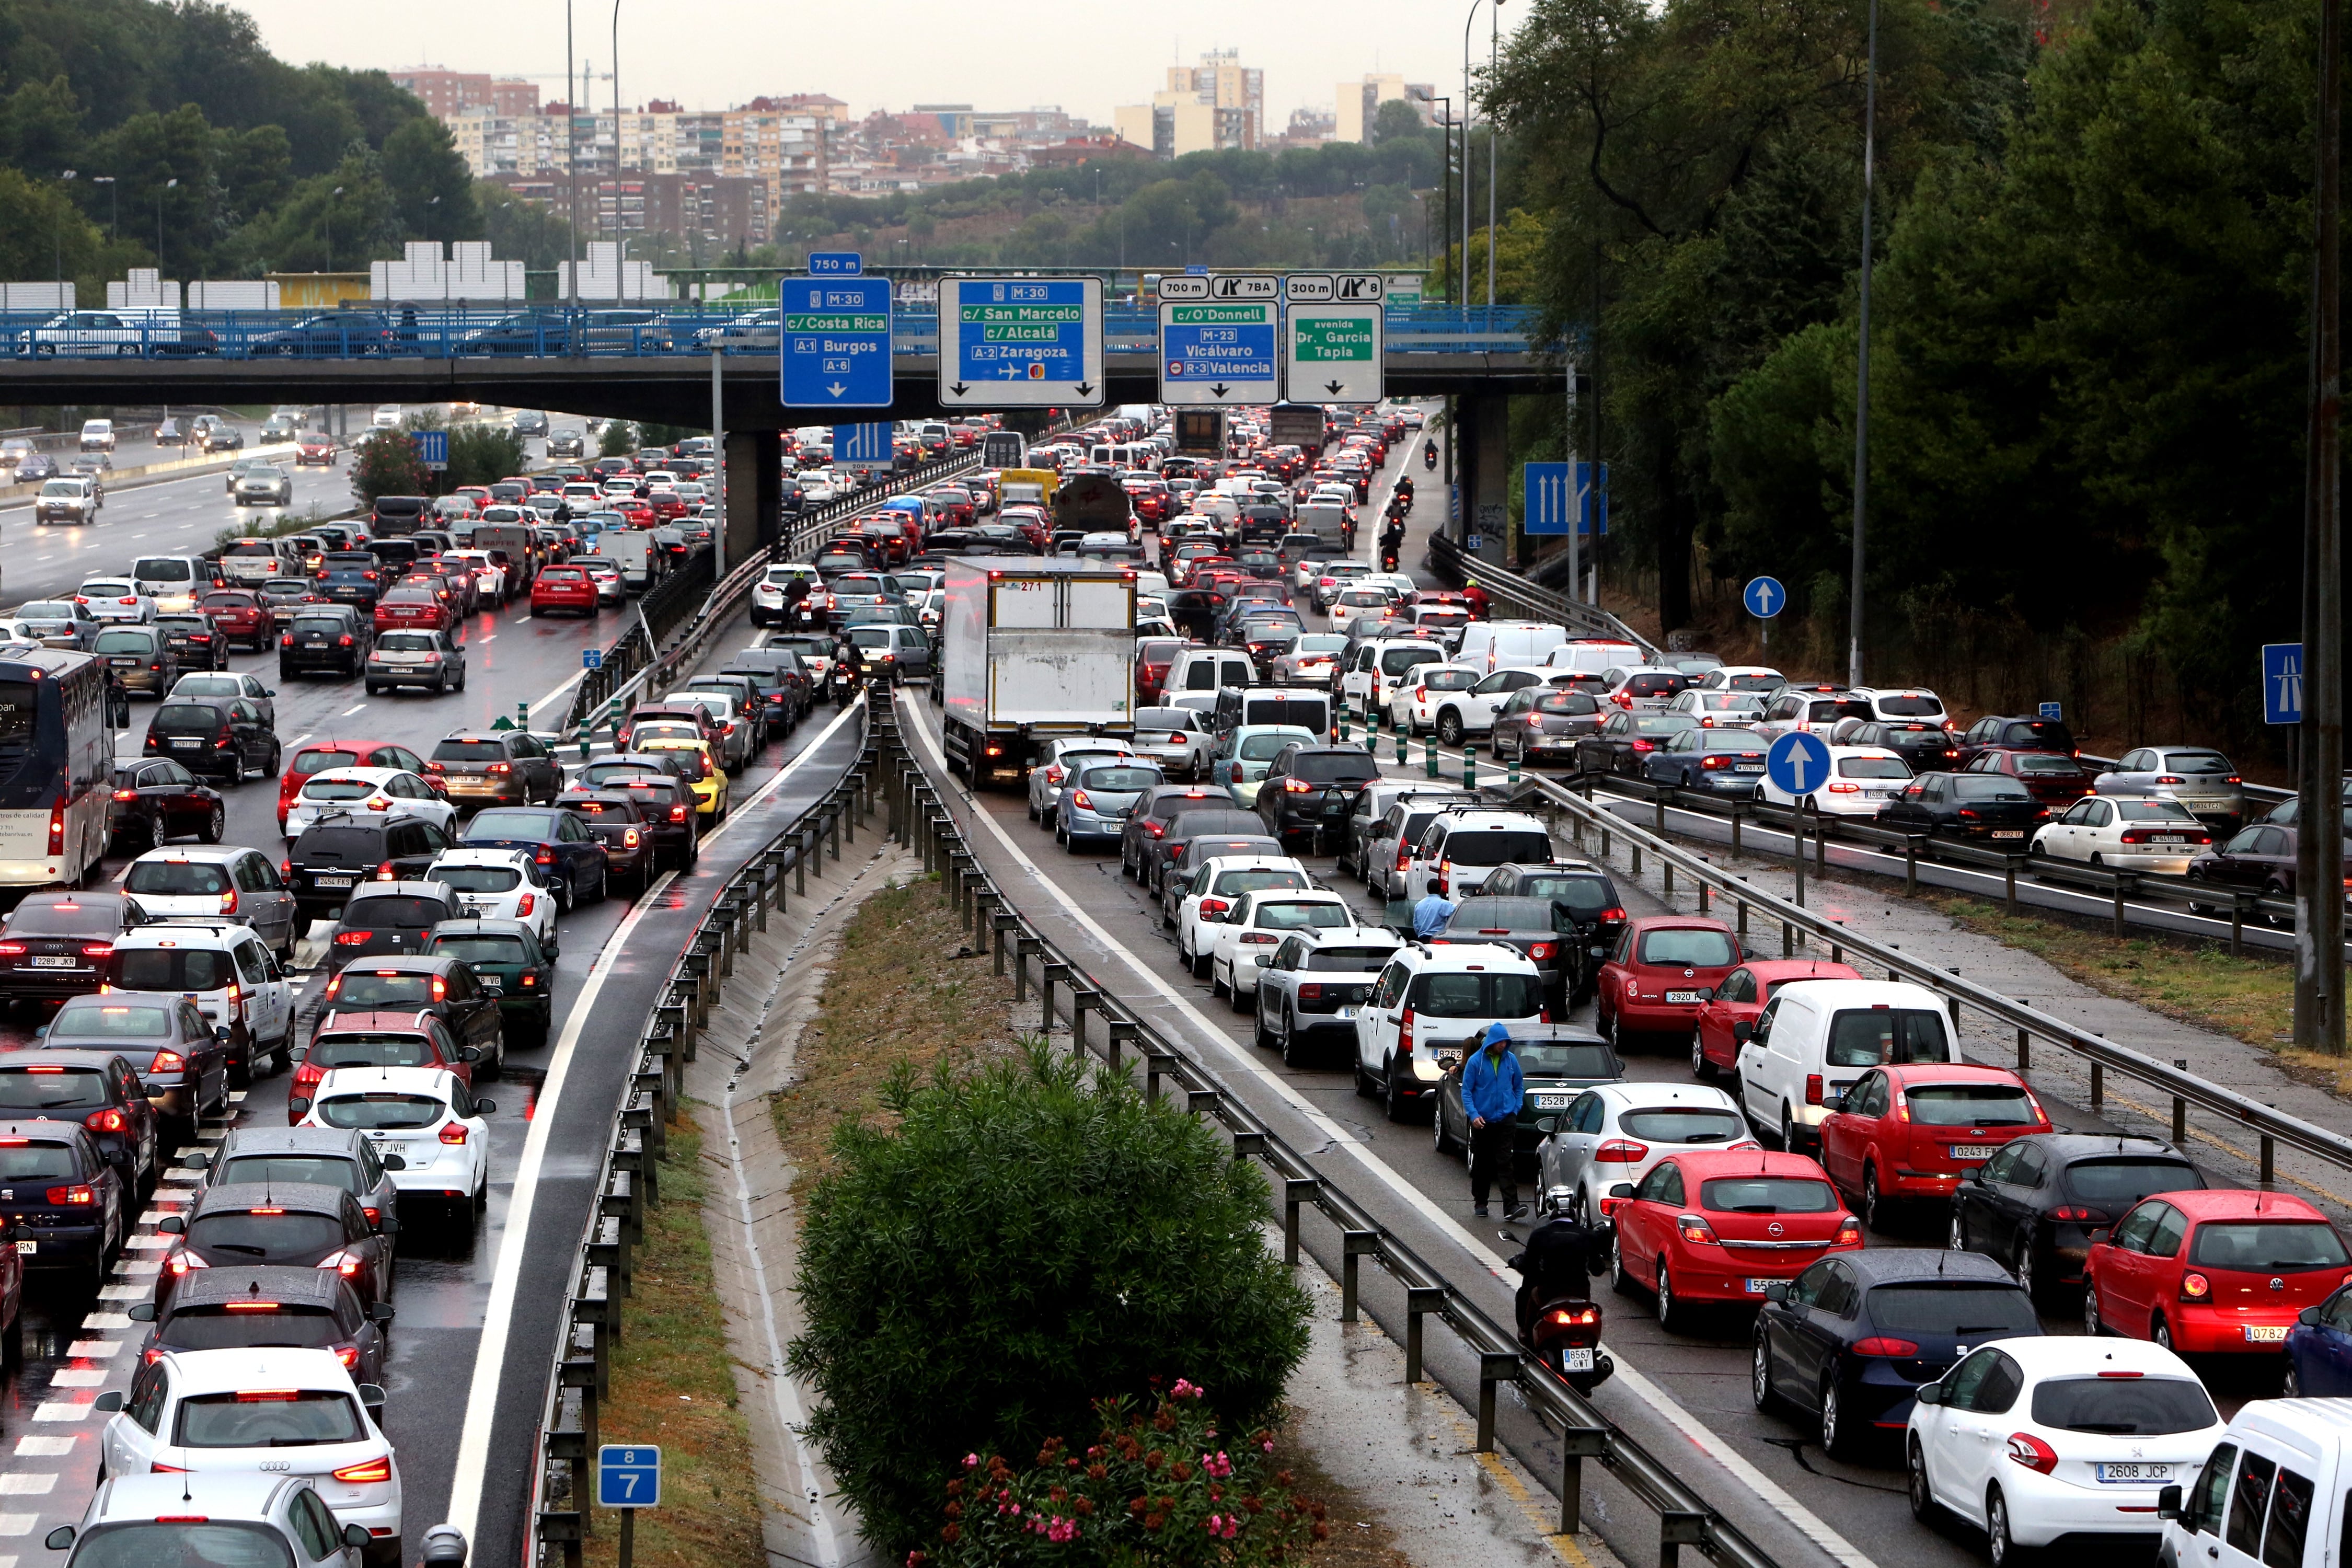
(564, 588)
(409, 607)
(240, 617)
(635, 512)
(1723, 1226)
(315, 446)
(1662, 971)
(328, 754)
(667, 506)
(1740, 998)
(2053, 778)
(1904, 1132)
(2217, 1269)
(374, 1040)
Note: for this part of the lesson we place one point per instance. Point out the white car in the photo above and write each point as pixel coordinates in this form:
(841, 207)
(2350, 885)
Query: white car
(499, 884)
(2032, 1439)
(1214, 887)
(222, 966)
(1617, 1131)
(2128, 835)
(768, 594)
(377, 794)
(1053, 765)
(489, 577)
(1903, 703)
(387, 417)
(1759, 678)
(1862, 780)
(425, 1115)
(1713, 708)
(116, 599)
(1412, 706)
(227, 683)
(1432, 1004)
(1255, 926)
(272, 1518)
(237, 1412)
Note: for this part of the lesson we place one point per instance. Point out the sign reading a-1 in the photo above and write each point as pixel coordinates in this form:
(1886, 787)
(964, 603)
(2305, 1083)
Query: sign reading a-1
(836, 341)
(1332, 339)
(1217, 339)
(1021, 342)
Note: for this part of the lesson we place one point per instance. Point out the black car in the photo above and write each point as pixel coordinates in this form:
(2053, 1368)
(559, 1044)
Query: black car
(570, 857)
(267, 1305)
(352, 577)
(194, 641)
(654, 780)
(623, 824)
(1582, 891)
(298, 1225)
(1310, 789)
(2036, 1205)
(1812, 1355)
(227, 737)
(1992, 807)
(1625, 738)
(337, 335)
(103, 1096)
(1543, 930)
(66, 1208)
(1213, 819)
(2020, 733)
(157, 798)
(387, 919)
(782, 684)
(422, 981)
(56, 943)
(340, 854)
(1926, 747)
(1720, 761)
(506, 952)
(330, 640)
(1557, 1062)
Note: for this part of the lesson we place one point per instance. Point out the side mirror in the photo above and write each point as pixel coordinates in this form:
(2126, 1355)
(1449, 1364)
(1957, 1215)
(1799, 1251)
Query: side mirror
(59, 1539)
(109, 1403)
(372, 1396)
(2168, 1502)
(1622, 1190)
(141, 1312)
(355, 1535)
(1706, 992)
(42, 1033)
(388, 1226)
(221, 1034)
(381, 1312)
(1928, 1393)
(469, 1054)
(485, 1107)
(1264, 960)
(1776, 1292)
(298, 1107)
(1743, 1031)
(199, 1161)
(2309, 1316)
(172, 1225)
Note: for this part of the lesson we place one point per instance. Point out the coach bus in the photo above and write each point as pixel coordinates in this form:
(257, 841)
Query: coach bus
(56, 766)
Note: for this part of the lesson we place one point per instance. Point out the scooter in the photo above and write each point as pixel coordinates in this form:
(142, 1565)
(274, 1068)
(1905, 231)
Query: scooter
(842, 681)
(1429, 458)
(1563, 1331)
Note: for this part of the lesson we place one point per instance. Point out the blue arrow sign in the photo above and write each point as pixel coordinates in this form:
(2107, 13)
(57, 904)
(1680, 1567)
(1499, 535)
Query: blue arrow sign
(628, 1477)
(836, 341)
(432, 447)
(1008, 343)
(2281, 683)
(835, 264)
(1550, 496)
(1592, 506)
(1764, 597)
(1797, 763)
(1220, 351)
(862, 443)
(2053, 711)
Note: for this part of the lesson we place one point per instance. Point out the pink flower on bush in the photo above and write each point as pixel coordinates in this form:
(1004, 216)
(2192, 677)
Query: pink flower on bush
(1062, 1529)
(1220, 1466)
(1267, 1445)
(1186, 1389)
(970, 1461)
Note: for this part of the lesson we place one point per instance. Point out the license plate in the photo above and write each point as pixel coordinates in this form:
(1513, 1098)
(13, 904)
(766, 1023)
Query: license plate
(123, 663)
(2136, 1472)
(1580, 1359)
(1448, 1059)
(54, 963)
(1551, 1101)
(2265, 1333)
(1749, 768)
(337, 881)
(1972, 1151)
(2008, 833)
(1757, 1287)
(1343, 1014)
(1682, 995)
(383, 1148)
(2167, 838)
(28, 1246)
(188, 743)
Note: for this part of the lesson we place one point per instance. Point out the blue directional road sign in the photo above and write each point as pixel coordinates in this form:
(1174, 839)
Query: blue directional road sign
(1764, 597)
(2281, 683)
(2053, 711)
(835, 264)
(1021, 342)
(432, 447)
(627, 1478)
(592, 659)
(1797, 763)
(862, 446)
(837, 342)
(1551, 498)
(1592, 507)
(1218, 339)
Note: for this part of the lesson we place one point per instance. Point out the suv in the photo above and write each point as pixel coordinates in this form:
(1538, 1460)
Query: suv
(223, 967)
(341, 853)
(1429, 1010)
(1310, 789)
(332, 638)
(496, 767)
(1458, 850)
(2018, 734)
(1316, 982)
(499, 884)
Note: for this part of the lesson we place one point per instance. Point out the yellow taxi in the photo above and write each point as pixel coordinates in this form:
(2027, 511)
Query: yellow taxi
(710, 789)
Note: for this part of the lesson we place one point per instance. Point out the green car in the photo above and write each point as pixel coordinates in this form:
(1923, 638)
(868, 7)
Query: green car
(504, 954)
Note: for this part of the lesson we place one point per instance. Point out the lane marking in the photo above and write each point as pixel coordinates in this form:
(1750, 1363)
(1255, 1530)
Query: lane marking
(300, 739)
(1768, 1490)
(492, 638)
(489, 1356)
(351, 709)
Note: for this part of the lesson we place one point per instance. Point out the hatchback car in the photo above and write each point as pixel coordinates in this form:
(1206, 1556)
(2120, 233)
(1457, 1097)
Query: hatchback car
(301, 1224)
(1739, 998)
(1977, 807)
(1625, 738)
(1614, 1131)
(56, 943)
(364, 794)
(436, 985)
(432, 660)
(506, 953)
(194, 641)
(319, 756)
(2199, 779)
(1100, 793)
(1663, 969)
(140, 657)
(1908, 1134)
(104, 1098)
(317, 1155)
(1052, 769)
(1722, 1228)
(271, 1307)
(427, 1117)
(2037, 1205)
(383, 919)
(567, 588)
(2221, 1270)
(228, 737)
(1557, 1062)
(1861, 782)
(224, 883)
(241, 615)
(2057, 780)
(63, 1207)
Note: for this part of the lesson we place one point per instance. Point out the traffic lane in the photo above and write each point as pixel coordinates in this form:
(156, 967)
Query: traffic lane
(176, 516)
(1110, 929)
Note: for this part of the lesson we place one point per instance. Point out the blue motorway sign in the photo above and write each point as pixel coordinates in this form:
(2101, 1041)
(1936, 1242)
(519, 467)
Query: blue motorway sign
(1764, 597)
(1218, 340)
(1021, 342)
(858, 445)
(1592, 506)
(836, 341)
(432, 447)
(1551, 498)
(2281, 683)
(1797, 763)
(835, 264)
(628, 1477)
(592, 659)
(2053, 711)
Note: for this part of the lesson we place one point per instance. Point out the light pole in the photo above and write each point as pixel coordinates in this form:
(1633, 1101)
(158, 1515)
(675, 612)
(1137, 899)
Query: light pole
(169, 184)
(1468, 118)
(58, 229)
(1861, 361)
(114, 206)
(572, 152)
(616, 135)
(1494, 32)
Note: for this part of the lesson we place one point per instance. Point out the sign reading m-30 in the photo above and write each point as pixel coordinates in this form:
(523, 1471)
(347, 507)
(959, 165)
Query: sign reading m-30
(1021, 342)
(1220, 350)
(836, 341)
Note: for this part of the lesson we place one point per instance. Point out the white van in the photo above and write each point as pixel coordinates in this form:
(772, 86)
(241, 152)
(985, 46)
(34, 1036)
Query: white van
(2272, 1491)
(173, 581)
(1490, 645)
(1593, 657)
(1816, 1037)
(1207, 670)
(97, 435)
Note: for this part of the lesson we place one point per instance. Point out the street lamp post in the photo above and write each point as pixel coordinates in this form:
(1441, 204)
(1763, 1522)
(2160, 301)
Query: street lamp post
(327, 215)
(174, 184)
(572, 153)
(1862, 361)
(1493, 30)
(616, 137)
(1469, 16)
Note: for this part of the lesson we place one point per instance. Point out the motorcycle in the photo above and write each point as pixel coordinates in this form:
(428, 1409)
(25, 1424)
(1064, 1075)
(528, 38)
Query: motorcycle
(1429, 458)
(842, 681)
(801, 616)
(1562, 1330)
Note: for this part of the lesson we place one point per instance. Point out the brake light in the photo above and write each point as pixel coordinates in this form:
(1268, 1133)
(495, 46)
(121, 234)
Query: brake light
(384, 872)
(342, 1262)
(1694, 1230)
(2195, 1287)
(108, 1120)
(179, 1263)
(2025, 1449)
(376, 1469)
(1849, 1233)
(501, 767)
(1641, 745)
(1812, 1089)
(1881, 1345)
(1609, 1206)
(1539, 949)
(12, 948)
(1404, 1034)
(348, 1354)
(1843, 788)
(1297, 787)
(351, 939)
(307, 1074)
(454, 1133)
(1621, 1152)
(286, 639)
(168, 1062)
(78, 1196)
(58, 829)
(678, 814)
(2079, 1214)
(545, 856)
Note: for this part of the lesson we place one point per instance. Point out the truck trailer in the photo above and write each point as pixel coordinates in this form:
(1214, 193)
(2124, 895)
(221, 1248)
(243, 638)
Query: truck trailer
(1030, 649)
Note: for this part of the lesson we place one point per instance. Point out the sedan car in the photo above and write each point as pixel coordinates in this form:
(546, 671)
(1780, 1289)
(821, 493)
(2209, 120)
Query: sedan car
(2038, 1203)
(1614, 1131)
(1984, 807)
(1843, 1346)
(1862, 780)
(1625, 738)
(2199, 779)
(1558, 1063)
(2251, 1262)
(1664, 968)
(1723, 1228)
(1728, 763)
(2128, 835)
(1710, 708)
(60, 623)
(1905, 1134)
(2055, 780)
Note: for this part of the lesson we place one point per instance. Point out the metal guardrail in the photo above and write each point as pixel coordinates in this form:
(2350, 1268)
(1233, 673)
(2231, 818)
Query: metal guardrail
(917, 817)
(601, 1273)
(1529, 600)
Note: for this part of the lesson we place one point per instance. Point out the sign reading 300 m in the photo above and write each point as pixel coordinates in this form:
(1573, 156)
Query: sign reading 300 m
(1021, 342)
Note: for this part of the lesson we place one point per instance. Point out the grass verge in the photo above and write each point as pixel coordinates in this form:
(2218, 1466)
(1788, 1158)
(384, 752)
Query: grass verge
(673, 1383)
(2250, 999)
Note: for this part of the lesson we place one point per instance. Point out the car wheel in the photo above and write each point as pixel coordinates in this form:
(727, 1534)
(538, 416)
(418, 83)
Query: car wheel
(1449, 728)
(1788, 1129)
(562, 896)
(1439, 1137)
(1701, 1069)
(1260, 1035)
(374, 689)
(2021, 1266)
(1216, 986)
(1836, 1438)
(1760, 1376)
(2290, 1385)
(1363, 1079)
(1924, 1506)
(1670, 1310)
(2160, 1332)
(1619, 1280)
(1233, 994)
(2004, 1547)
(1875, 1210)
(215, 825)
(2092, 1325)
(1393, 1104)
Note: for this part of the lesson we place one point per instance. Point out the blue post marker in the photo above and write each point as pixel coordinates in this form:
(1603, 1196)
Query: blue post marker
(2282, 683)
(1765, 598)
(628, 1478)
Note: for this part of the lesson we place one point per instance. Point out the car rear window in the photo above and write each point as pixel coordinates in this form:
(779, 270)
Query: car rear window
(125, 640)
(1679, 1124)
(109, 1020)
(2121, 1183)
(2268, 1246)
(1397, 660)
(2041, 766)
(172, 969)
(2154, 811)
(1969, 1105)
(53, 1088)
(1988, 787)
(382, 1109)
(1910, 707)
(1120, 779)
(1687, 948)
(404, 910)
(266, 1236)
(1872, 768)
(368, 989)
(360, 1048)
(511, 825)
(1300, 915)
(1473, 995)
(1348, 960)
(252, 1323)
(1500, 916)
(280, 1418)
(1654, 685)
(1332, 767)
(338, 789)
(307, 1170)
(219, 1543)
(2043, 733)
(1586, 896)
(1768, 1194)
(406, 642)
(1497, 845)
(169, 878)
(63, 917)
(482, 948)
(479, 878)
(1564, 1058)
(1974, 1308)
(1877, 1037)
(2195, 762)
(2120, 1406)
(340, 846)
(183, 718)
(455, 751)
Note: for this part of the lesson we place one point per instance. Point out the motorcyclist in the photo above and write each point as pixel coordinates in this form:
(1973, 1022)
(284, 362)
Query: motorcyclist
(1429, 457)
(1559, 1259)
(1405, 491)
(1392, 544)
(1476, 597)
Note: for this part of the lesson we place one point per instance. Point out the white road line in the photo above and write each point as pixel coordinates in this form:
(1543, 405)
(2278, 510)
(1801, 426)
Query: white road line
(1485, 1257)
(492, 638)
(300, 739)
(489, 1356)
(351, 709)
(519, 620)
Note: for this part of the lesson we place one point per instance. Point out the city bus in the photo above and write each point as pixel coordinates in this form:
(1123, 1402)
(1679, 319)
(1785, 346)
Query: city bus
(56, 766)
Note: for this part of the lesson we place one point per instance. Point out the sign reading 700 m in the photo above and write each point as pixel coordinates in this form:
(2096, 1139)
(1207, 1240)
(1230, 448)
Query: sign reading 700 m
(1016, 342)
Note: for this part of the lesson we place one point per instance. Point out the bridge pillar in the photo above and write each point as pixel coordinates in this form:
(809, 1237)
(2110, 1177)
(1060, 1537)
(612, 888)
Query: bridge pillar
(1483, 463)
(755, 492)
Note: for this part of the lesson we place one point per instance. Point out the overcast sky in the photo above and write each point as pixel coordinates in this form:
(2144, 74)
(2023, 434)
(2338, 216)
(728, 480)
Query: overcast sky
(1085, 57)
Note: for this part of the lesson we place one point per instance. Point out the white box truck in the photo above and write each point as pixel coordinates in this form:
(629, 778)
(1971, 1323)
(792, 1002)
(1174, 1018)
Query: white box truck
(1029, 650)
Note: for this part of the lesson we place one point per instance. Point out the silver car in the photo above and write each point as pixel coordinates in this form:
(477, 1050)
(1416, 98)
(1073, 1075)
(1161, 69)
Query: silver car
(265, 485)
(2198, 778)
(1055, 764)
(416, 657)
(1100, 794)
(1176, 740)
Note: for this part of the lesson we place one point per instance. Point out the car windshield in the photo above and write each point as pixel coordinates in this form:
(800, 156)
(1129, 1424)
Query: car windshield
(482, 949)
(2268, 1246)
(215, 1543)
(53, 1088)
(2122, 1407)
(105, 1021)
(1687, 948)
(1677, 1124)
(225, 1326)
(1768, 1194)
(1475, 995)
(380, 1110)
(477, 878)
(1564, 1058)
(371, 989)
(1498, 846)
(266, 1234)
(1971, 1105)
(279, 1418)
(1300, 915)
(172, 969)
(305, 1170)
(2121, 1183)
(1960, 1307)
(400, 910)
(185, 879)
(1872, 768)
(1875, 1037)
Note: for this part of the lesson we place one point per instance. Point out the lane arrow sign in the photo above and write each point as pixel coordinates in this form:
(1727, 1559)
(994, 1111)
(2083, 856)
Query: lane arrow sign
(1221, 389)
(958, 389)
(836, 389)
(1083, 389)
(1335, 387)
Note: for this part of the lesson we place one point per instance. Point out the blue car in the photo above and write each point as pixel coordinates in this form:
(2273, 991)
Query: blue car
(2319, 1350)
(569, 856)
(1723, 761)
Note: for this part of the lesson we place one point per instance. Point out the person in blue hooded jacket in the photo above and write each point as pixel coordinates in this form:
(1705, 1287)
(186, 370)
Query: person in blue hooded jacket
(1492, 1092)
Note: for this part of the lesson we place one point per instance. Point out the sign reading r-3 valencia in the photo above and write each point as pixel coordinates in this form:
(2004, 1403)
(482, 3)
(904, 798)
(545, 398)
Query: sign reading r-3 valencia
(1021, 342)
(1218, 339)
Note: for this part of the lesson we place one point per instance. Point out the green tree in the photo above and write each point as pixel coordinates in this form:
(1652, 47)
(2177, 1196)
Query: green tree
(620, 440)
(483, 455)
(1020, 1243)
(385, 464)
(1396, 119)
(431, 188)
